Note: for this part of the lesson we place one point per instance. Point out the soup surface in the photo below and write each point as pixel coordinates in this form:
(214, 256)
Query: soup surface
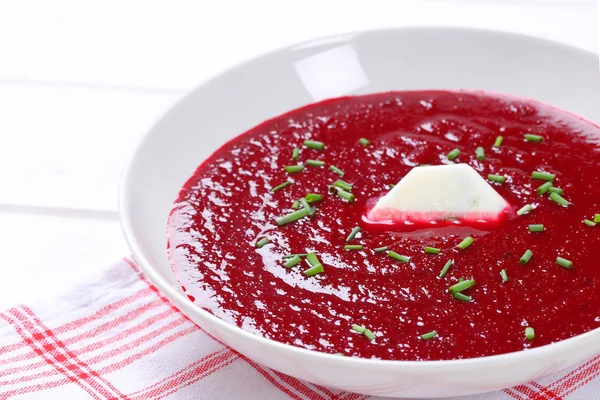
(371, 303)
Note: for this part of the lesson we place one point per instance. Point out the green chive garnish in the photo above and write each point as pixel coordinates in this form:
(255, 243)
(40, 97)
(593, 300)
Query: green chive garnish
(589, 223)
(498, 141)
(291, 217)
(312, 259)
(295, 153)
(536, 228)
(462, 297)
(556, 190)
(559, 199)
(526, 209)
(461, 279)
(480, 153)
(312, 211)
(533, 138)
(504, 276)
(294, 255)
(380, 249)
(262, 242)
(369, 335)
(353, 247)
(543, 188)
(466, 242)
(461, 286)
(345, 195)
(343, 184)
(364, 142)
(313, 144)
(293, 168)
(336, 170)
(526, 257)
(446, 268)
(304, 203)
(292, 261)
(432, 250)
(315, 163)
(317, 269)
(358, 328)
(352, 234)
(312, 197)
(295, 205)
(596, 218)
(563, 262)
(529, 333)
(429, 335)
(545, 176)
(281, 186)
(496, 178)
(453, 154)
(396, 256)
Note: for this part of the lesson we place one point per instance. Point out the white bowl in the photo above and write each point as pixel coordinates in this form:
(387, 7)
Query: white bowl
(356, 63)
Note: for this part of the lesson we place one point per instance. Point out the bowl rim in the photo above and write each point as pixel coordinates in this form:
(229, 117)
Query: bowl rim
(145, 264)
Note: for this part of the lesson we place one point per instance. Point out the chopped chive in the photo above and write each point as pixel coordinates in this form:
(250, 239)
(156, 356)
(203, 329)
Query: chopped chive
(352, 234)
(345, 195)
(262, 242)
(291, 217)
(545, 176)
(312, 197)
(332, 189)
(589, 223)
(563, 262)
(480, 153)
(536, 228)
(429, 335)
(292, 261)
(466, 242)
(543, 188)
(498, 141)
(281, 186)
(295, 153)
(293, 168)
(364, 142)
(369, 335)
(559, 199)
(313, 144)
(596, 218)
(380, 249)
(396, 256)
(533, 138)
(294, 255)
(336, 170)
(446, 268)
(317, 269)
(526, 209)
(453, 154)
(496, 178)
(461, 279)
(304, 203)
(504, 276)
(462, 297)
(343, 184)
(295, 205)
(526, 257)
(432, 250)
(312, 259)
(353, 247)
(391, 186)
(312, 211)
(358, 328)
(556, 190)
(315, 163)
(529, 333)
(461, 286)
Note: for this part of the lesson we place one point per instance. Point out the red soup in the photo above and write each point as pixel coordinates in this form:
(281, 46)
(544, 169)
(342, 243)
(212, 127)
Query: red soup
(373, 291)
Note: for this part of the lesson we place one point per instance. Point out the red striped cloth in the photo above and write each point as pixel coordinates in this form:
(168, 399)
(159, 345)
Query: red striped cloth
(116, 337)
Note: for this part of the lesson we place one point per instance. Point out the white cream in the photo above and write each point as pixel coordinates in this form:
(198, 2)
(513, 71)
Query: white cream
(440, 192)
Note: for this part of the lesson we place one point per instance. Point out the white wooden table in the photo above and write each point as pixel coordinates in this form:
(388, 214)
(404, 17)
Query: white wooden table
(81, 81)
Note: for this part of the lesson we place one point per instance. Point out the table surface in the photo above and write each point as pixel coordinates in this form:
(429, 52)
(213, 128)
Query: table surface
(81, 81)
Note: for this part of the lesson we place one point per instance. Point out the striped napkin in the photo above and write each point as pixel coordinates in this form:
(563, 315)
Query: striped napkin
(116, 337)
